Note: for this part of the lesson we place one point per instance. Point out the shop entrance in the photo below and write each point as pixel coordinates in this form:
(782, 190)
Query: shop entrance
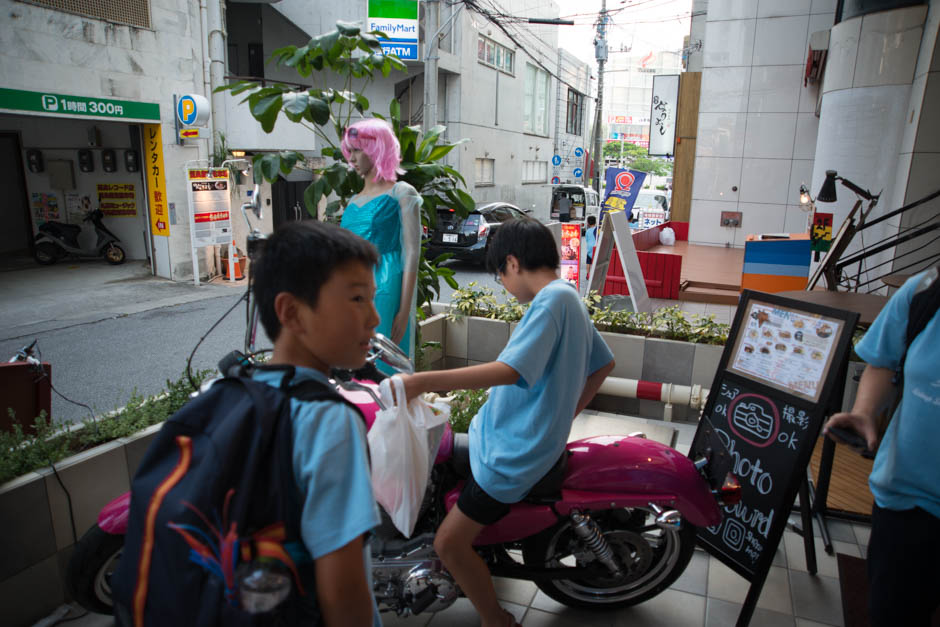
(288, 201)
(16, 241)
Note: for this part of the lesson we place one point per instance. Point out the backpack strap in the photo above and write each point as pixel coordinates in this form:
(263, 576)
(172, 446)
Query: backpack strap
(924, 306)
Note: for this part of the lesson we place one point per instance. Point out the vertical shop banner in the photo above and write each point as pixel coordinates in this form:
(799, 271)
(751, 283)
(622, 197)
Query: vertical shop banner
(398, 19)
(622, 188)
(571, 254)
(117, 199)
(210, 203)
(156, 180)
(821, 236)
(663, 115)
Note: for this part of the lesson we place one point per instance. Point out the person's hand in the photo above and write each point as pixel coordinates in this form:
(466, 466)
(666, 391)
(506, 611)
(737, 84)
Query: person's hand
(412, 387)
(861, 424)
(399, 325)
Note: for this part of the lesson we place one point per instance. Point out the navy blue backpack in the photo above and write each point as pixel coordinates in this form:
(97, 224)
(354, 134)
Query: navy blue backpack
(216, 489)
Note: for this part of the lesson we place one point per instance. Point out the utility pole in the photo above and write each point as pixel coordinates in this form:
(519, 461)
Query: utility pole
(600, 53)
(430, 65)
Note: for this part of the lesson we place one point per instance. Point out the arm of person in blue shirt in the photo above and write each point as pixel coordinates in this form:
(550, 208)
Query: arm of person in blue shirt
(874, 390)
(592, 385)
(342, 589)
(468, 378)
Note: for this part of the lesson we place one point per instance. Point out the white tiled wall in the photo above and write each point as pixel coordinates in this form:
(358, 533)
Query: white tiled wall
(757, 123)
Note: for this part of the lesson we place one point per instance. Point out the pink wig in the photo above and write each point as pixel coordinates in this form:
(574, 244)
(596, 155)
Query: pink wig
(375, 138)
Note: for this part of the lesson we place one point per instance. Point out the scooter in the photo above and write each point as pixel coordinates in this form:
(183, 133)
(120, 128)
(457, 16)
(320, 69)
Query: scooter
(57, 240)
(612, 524)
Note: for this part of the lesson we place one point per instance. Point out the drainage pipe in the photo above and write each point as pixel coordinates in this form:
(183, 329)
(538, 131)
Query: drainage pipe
(669, 393)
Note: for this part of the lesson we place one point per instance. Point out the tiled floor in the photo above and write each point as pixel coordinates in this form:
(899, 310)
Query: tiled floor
(708, 594)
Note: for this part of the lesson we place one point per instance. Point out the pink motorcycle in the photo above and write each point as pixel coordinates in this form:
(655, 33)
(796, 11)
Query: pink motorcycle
(612, 524)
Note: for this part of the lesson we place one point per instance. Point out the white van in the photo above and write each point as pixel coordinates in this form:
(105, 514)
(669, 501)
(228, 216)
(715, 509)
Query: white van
(581, 202)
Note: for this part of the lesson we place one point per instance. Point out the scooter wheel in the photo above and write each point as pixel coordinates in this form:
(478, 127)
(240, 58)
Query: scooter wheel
(46, 253)
(88, 576)
(114, 255)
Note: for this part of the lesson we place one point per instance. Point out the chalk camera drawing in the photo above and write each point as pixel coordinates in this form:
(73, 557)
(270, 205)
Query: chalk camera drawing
(753, 418)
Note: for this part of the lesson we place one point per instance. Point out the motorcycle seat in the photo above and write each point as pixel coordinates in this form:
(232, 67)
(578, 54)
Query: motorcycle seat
(548, 486)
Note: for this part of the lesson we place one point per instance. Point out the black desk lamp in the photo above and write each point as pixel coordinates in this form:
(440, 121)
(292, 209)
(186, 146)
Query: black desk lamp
(827, 193)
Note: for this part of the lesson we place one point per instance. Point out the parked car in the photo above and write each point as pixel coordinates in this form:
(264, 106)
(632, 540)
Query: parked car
(467, 238)
(651, 199)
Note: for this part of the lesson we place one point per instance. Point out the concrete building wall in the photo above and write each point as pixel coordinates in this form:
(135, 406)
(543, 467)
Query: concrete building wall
(47, 50)
(757, 127)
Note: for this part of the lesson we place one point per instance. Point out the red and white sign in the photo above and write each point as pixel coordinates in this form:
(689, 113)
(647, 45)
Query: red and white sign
(624, 180)
(210, 206)
(571, 254)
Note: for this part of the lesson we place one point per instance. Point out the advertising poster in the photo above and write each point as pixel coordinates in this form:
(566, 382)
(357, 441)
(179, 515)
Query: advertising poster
(210, 201)
(663, 115)
(571, 254)
(45, 207)
(622, 188)
(117, 199)
(786, 349)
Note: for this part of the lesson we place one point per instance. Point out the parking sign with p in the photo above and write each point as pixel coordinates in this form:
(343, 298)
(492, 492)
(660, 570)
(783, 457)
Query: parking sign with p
(192, 110)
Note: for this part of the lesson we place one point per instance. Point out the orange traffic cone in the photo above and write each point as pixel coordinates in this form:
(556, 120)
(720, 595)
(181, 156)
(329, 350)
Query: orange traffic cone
(234, 262)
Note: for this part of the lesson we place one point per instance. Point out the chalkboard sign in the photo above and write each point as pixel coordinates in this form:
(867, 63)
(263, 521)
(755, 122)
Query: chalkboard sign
(767, 405)
(764, 437)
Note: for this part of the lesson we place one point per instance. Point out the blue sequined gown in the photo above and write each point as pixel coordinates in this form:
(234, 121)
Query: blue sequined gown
(378, 220)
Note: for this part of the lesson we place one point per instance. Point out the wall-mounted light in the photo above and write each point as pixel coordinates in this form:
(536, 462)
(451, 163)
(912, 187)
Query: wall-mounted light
(34, 161)
(86, 161)
(827, 193)
(804, 196)
(131, 162)
(108, 160)
(238, 154)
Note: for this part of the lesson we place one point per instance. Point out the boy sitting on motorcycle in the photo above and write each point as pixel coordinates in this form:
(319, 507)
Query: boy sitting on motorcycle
(314, 288)
(549, 371)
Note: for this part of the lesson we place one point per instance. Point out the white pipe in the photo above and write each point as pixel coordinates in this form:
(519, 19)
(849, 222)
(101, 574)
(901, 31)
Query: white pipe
(692, 396)
(216, 67)
(206, 81)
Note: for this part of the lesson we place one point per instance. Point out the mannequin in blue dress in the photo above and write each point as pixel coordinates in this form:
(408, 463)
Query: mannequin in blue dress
(386, 212)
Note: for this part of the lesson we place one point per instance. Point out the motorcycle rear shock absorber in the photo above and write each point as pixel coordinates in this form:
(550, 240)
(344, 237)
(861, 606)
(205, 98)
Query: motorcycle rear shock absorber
(588, 531)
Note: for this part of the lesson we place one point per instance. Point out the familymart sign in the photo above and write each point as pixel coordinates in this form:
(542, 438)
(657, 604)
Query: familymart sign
(63, 105)
(398, 19)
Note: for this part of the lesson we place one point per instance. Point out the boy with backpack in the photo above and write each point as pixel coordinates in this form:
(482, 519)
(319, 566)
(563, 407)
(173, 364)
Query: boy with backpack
(253, 504)
(549, 371)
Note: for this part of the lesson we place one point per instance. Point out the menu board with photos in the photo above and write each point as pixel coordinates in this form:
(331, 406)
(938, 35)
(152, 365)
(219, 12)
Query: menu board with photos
(766, 406)
(785, 348)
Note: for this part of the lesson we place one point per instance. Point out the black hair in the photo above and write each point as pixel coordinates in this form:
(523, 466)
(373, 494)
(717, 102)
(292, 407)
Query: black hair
(591, 221)
(527, 240)
(299, 258)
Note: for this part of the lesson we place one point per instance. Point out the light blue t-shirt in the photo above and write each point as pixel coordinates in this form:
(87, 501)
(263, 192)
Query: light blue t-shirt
(590, 240)
(331, 468)
(521, 431)
(906, 471)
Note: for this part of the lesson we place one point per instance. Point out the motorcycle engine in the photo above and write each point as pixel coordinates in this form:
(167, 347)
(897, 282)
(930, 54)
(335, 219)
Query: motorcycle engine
(409, 578)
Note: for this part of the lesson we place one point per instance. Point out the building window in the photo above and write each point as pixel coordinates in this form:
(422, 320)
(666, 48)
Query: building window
(575, 112)
(484, 171)
(535, 171)
(132, 12)
(536, 100)
(493, 54)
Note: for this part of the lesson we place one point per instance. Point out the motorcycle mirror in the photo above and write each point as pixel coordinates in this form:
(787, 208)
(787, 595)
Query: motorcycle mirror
(384, 349)
(256, 201)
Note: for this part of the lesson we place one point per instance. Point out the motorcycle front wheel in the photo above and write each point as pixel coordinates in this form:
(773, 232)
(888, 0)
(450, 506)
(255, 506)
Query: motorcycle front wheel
(114, 255)
(46, 253)
(88, 575)
(650, 559)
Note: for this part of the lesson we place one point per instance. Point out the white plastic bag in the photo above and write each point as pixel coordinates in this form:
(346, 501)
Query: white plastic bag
(403, 443)
(667, 237)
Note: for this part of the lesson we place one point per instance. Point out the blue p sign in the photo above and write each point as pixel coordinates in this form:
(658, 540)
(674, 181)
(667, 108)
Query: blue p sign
(192, 110)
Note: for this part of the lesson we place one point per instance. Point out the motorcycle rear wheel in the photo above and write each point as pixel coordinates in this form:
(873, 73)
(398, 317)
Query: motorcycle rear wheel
(114, 255)
(88, 575)
(650, 558)
(46, 253)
